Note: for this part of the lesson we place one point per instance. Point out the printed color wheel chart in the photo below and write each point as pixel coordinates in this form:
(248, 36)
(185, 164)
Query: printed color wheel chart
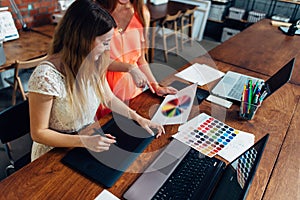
(176, 106)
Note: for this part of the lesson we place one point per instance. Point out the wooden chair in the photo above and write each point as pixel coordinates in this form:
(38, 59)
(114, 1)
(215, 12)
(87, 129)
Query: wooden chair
(186, 26)
(19, 81)
(14, 134)
(169, 28)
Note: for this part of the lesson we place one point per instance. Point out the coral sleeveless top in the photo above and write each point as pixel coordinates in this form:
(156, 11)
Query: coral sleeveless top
(126, 47)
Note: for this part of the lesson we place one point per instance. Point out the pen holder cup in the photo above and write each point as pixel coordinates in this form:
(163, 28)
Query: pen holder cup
(247, 110)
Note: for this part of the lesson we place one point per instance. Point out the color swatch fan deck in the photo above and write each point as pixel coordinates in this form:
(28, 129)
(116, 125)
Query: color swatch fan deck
(175, 109)
(176, 106)
(206, 134)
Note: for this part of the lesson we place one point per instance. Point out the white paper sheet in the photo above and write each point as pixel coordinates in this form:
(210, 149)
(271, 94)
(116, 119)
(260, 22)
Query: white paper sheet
(106, 195)
(175, 109)
(237, 146)
(200, 73)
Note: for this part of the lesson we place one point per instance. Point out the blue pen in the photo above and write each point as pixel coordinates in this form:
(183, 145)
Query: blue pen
(260, 86)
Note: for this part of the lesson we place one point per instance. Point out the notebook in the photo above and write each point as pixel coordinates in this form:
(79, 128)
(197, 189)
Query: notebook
(221, 181)
(231, 85)
(106, 167)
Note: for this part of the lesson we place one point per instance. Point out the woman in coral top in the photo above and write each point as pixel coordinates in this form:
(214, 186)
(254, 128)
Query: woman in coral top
(129, 73)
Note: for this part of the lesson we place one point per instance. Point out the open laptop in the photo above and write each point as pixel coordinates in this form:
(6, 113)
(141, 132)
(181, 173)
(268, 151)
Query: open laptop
(169, 176)
(106, 167)
(231, 85)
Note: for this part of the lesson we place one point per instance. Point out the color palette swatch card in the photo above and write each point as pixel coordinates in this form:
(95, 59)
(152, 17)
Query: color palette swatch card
(175, 109)
(206, 134)
(235, 148)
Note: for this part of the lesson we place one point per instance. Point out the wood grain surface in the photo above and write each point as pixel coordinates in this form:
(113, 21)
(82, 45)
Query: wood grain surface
(48, 178)
(261, 48)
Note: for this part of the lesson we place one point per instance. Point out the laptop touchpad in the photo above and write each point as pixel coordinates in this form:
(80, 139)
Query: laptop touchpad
(165, 163)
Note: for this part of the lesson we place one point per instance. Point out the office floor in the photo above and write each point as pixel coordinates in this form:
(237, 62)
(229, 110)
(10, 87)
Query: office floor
(174, 61)
(188, 53)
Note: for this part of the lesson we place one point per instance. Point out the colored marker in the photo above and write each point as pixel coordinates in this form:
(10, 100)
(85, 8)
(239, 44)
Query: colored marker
(255, 88)
(250, 95)
(246, 100)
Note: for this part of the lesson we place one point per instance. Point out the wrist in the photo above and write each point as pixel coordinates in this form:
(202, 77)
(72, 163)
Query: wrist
(154, 85)
(130, 68)
(80, 141)
(133, 115)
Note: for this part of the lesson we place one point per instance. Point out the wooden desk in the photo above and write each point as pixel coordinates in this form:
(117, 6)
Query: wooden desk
(285, 178)
(47, 30)
(261, 48)
(29, 45)
(48, 178)
(158, 13)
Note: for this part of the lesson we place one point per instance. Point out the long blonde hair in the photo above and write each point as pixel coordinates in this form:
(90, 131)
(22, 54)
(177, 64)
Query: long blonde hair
(74, 37)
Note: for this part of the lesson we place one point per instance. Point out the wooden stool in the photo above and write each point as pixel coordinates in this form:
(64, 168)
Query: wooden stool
(169, 28)
(186, 24)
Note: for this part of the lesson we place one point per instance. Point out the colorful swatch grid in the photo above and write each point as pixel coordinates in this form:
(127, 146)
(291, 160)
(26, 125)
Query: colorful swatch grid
(209, 136)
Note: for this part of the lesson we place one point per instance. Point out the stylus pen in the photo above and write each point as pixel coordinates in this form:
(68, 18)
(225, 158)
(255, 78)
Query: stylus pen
(102, 134)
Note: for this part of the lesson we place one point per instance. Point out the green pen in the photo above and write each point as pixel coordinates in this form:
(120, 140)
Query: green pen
(250, 95)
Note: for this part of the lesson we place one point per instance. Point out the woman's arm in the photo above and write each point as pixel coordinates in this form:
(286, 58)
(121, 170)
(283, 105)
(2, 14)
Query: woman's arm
(120, 66)
(144, 65)
(40, 108)
(118, 106)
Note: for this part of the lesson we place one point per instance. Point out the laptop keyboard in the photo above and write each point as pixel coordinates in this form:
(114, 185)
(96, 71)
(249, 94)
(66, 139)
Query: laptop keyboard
(238, 87)
(186, 178)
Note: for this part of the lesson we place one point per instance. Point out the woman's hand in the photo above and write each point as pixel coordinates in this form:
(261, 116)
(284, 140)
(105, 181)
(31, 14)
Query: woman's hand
(98, 143)
(148, 125)
(138, 77)
(163, 91)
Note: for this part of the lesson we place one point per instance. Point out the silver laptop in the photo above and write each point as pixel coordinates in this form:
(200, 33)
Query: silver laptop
(231, 85)
(175, 175)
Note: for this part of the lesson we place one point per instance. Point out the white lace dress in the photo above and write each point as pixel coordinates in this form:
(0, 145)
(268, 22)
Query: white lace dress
(47, 80)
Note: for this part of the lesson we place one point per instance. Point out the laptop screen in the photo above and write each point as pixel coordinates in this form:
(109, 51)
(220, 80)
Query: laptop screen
(280, 78)
(238, 175)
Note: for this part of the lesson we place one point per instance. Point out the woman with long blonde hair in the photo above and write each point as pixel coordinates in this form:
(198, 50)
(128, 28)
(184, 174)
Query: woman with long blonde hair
(66, 89)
